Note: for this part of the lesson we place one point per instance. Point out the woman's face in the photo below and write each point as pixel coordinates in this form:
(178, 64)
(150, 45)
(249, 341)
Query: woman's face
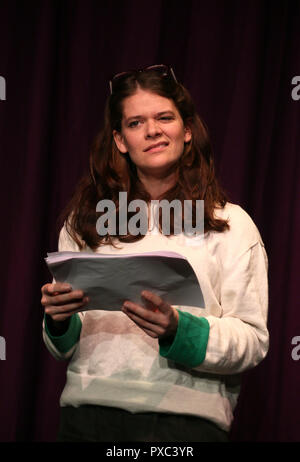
(152, 132)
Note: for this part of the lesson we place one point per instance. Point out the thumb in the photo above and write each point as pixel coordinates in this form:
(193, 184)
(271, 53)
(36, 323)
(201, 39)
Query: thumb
(155, 302)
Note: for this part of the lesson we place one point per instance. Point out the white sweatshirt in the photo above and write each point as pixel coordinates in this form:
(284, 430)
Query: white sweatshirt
(114, 363)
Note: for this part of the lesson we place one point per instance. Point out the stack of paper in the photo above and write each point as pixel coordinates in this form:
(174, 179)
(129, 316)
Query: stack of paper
(110, 279)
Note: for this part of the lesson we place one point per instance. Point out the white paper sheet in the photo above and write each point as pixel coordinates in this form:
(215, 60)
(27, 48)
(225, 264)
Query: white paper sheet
(110, 279)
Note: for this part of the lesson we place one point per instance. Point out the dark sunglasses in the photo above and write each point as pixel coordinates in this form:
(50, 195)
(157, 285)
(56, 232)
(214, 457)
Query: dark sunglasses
(161, 69)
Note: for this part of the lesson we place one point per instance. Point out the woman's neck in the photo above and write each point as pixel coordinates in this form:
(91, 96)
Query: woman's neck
(156, 185)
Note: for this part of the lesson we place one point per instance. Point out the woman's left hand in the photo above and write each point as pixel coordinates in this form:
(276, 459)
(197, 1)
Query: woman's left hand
(157, 318)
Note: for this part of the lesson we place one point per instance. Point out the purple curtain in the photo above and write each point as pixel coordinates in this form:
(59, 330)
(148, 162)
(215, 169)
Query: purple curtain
(238, 60)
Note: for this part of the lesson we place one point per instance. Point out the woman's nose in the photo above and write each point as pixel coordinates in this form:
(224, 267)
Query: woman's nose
(152, 129)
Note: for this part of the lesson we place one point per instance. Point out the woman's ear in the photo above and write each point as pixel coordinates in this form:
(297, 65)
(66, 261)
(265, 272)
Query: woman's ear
(119, 140)
(187, 134)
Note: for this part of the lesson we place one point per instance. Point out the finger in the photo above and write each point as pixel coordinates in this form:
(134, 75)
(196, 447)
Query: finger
(60, 287)
(53, 310)
(62, 299)
(150, 305)
(155, 328)
(63, 317)
(143, 313)
(156, 301)
(150, 333)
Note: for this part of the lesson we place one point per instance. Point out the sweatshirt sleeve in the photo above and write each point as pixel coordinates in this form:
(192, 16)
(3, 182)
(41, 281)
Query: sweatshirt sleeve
(190, 343)
(62, 347)
(238, 339)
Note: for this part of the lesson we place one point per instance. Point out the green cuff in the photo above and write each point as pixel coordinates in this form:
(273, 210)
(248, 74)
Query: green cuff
(66, 341)
(190, 342)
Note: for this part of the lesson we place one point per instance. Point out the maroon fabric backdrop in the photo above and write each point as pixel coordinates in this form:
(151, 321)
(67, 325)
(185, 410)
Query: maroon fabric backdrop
(238, 59)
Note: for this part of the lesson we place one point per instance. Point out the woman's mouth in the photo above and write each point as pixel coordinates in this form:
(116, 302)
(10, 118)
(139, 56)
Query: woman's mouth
(157, 147)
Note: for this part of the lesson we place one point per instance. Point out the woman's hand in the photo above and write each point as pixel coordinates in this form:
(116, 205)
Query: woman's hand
(157, 318)
(60, 301)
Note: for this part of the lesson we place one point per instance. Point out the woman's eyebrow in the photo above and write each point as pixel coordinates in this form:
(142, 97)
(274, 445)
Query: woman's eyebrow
(166, 112)
(157, 115)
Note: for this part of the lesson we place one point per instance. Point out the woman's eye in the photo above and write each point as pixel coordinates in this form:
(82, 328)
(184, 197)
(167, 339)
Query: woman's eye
(136, 123)
(166, 118)
(133, 124)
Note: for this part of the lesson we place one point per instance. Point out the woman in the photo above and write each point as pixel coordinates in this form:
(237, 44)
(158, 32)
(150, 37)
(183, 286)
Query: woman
(152, 371)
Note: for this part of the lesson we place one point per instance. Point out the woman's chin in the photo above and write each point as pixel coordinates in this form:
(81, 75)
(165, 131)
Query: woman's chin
(158, 165)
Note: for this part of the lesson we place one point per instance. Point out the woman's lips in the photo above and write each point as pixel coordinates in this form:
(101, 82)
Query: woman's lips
(158, 147)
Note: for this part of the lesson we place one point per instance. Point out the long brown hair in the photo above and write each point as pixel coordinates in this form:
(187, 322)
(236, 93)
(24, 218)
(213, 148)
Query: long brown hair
(111, 172)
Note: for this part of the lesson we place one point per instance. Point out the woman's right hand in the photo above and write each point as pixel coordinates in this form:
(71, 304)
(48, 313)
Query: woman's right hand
(61, 302)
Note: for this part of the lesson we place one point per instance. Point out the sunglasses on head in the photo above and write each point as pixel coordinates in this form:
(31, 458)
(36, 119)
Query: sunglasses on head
(161, 69)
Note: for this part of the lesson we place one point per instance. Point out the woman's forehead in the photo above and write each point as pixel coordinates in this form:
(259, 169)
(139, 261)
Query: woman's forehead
(146, 102)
